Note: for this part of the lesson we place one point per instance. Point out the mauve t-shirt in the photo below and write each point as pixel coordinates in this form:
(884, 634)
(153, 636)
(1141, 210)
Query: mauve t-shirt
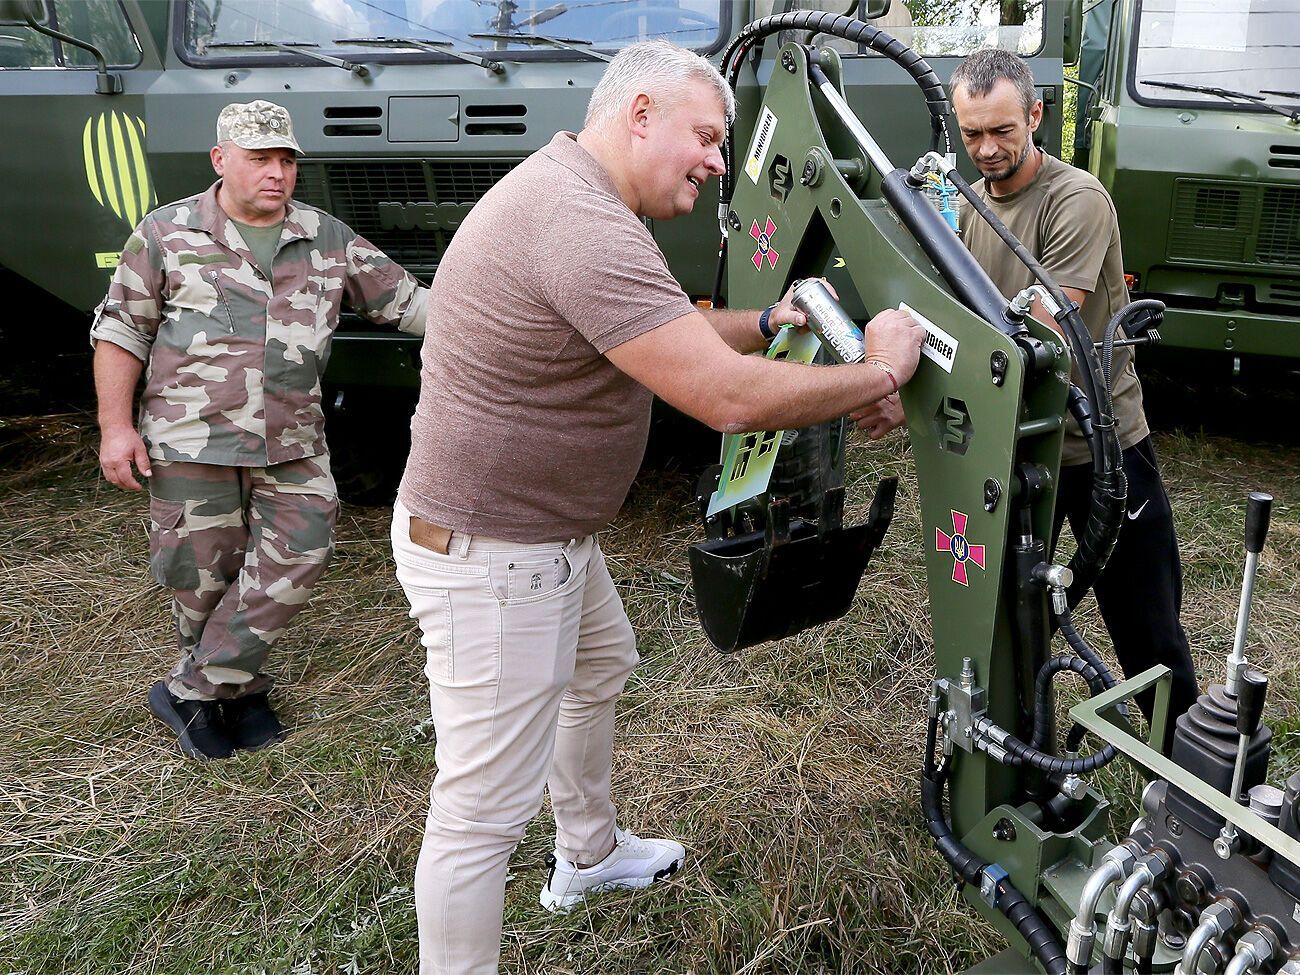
(524, 430)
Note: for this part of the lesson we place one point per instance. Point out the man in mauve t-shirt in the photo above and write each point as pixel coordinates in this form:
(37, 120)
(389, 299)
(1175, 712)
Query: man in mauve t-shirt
(1066, 220)
(553, 322)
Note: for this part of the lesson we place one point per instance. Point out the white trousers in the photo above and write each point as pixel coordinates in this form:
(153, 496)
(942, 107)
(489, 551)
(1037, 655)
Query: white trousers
(528, 647)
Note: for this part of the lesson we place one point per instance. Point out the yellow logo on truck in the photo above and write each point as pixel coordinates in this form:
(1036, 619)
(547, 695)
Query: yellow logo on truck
(116, 167)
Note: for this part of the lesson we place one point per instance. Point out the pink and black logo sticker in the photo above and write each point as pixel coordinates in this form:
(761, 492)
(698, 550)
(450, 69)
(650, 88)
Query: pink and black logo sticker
(764, 239)
(962, 550)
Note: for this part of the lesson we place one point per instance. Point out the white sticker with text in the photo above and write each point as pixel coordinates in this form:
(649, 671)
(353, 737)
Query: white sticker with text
(758, 148)
(940, 347)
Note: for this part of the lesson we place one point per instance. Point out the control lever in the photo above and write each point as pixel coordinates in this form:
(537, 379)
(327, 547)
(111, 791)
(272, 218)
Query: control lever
(1251, 690)
(1258, 507)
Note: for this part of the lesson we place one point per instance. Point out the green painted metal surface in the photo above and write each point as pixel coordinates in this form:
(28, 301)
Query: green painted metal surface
(78, 168)
(1208, 195)
(966, 431)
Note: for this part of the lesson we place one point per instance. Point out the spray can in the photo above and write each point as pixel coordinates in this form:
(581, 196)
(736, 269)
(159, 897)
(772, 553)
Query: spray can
(841, 337)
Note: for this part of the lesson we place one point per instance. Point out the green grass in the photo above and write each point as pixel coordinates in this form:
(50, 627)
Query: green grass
(789, 771)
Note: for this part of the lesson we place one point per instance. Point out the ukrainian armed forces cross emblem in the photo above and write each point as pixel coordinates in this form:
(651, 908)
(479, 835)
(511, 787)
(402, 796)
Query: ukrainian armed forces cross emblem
(763, 238)
(962, 550)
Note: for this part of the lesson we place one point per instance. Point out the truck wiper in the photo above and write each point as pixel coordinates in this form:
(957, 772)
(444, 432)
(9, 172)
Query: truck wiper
(568, 43)
(300, 47)
(1228, 94)
(431, 46)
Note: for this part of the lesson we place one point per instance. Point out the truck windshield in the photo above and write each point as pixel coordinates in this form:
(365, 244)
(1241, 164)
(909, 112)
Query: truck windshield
(601, 24)
(939, 29)
(1249, 46)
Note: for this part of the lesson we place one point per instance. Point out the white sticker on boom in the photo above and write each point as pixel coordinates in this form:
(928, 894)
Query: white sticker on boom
(939, 347)
(758, 148)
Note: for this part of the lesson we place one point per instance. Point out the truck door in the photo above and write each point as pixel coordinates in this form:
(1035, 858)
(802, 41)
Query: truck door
(74, 162)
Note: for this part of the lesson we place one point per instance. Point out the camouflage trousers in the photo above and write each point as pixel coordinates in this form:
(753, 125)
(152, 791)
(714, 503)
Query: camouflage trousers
(241, 549)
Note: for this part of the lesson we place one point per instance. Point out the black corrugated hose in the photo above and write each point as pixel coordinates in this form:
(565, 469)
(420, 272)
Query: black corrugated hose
(1122, 316)
(1031, 925)
(836, 25)
(1044, 698)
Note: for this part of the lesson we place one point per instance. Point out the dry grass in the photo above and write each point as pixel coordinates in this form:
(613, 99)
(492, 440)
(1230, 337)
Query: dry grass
(789, 771)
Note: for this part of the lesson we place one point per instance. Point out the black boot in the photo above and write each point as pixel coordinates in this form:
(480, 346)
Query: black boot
(251, 723)
(198, 724)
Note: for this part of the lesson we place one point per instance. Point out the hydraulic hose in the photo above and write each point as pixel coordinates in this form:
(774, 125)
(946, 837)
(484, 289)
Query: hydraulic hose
(1081, 647)
(1112, 327)
(968, 866)
(1151, 869)
(1115, 866)
(1020, 753)
(1109, 487)
(1044, 698)
(856, 31)
(1099, 677)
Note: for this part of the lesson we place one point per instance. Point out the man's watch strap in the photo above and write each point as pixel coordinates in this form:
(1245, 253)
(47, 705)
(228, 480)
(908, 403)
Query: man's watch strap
(763, 325)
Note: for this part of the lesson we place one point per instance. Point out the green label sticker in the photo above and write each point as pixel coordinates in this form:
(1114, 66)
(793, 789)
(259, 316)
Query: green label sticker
(748, 458)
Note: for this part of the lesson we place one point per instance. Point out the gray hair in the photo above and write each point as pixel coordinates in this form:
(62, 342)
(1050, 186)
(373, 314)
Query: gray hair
(986, 67)
(659, 69)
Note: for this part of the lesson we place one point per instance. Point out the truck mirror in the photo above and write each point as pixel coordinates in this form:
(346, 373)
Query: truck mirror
(1072, 38)
(872, 9)
(17, 12)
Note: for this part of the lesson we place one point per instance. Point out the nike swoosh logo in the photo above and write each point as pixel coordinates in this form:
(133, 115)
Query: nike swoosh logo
(1132, 515)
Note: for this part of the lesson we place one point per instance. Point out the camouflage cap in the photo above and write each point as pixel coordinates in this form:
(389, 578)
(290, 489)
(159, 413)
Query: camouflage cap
(257, 125)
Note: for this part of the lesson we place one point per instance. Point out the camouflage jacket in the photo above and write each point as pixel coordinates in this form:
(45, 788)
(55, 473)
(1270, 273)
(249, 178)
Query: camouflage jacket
(233, 362)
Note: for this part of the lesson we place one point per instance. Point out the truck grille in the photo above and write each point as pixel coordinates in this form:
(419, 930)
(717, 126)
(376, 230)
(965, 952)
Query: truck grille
(353, 190)
(1279, 226)
(1235, 223)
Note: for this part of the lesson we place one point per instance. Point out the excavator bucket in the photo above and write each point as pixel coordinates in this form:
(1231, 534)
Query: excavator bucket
(769, 584)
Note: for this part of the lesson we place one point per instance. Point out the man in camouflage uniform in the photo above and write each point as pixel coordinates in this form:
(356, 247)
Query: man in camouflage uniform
(228, 302)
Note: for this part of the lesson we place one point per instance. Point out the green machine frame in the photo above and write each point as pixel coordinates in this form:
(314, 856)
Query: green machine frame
(970, 428)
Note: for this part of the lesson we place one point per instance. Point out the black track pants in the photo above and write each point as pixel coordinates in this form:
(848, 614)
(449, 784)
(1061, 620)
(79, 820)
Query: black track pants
(1140, 593)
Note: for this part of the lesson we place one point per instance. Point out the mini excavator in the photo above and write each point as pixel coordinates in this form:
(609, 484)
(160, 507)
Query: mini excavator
(1207, 880)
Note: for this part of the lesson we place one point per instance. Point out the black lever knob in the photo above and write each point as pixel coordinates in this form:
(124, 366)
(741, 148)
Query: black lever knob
(1250, 701)
(1258, 507)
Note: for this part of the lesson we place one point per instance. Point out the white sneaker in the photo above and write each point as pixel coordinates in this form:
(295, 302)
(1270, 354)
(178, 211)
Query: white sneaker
(635, 863)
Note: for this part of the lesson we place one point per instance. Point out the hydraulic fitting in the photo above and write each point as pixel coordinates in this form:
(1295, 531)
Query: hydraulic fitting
(1074, 787)
(1114, 867)
(965, 704)
(1256, 948)
(1148, 872)
(1147, 905)
(1216, 921)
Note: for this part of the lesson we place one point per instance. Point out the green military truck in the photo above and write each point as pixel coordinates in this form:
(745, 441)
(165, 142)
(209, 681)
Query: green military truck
(408, 111)
(1192, 123)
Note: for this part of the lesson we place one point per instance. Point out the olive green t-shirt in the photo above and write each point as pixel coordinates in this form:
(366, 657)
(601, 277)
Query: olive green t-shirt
(1067, 221)
(262, 241)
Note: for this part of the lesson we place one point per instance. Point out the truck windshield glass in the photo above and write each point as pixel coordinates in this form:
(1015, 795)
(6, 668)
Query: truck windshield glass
(601, 24)
(1250, 46)
(935, 28)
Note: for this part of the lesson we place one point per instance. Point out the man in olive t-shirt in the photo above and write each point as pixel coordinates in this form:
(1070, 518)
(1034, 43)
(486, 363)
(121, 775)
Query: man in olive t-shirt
(1066, 220)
